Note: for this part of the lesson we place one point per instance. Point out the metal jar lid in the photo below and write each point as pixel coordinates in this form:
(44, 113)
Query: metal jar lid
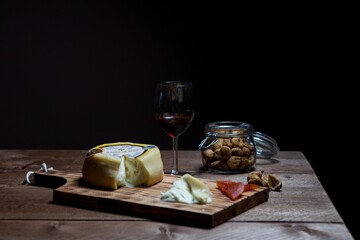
(266, 147)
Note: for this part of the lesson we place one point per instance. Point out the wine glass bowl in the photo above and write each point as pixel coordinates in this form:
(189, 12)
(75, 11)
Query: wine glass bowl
(174, 125)
(174, 111)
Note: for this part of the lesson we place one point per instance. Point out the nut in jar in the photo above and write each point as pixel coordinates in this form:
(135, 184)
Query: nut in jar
(230, 147)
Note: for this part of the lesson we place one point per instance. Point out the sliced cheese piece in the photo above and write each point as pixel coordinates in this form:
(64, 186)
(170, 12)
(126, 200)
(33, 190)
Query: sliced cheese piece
(123, 164)
(188, 189)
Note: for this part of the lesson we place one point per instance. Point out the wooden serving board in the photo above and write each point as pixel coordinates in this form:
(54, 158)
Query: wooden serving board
(144, 202)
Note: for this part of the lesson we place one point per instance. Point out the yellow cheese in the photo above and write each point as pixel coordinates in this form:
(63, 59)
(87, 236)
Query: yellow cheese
(123, 164)
(188, 189)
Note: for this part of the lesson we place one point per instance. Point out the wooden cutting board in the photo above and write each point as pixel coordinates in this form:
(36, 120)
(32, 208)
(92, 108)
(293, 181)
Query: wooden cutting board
(144, 202)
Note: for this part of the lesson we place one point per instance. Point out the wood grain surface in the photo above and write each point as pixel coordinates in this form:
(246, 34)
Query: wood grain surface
(70, 189)
(301, 210)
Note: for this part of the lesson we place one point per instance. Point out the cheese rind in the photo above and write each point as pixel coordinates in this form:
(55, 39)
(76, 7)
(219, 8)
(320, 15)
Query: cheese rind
(123, 164)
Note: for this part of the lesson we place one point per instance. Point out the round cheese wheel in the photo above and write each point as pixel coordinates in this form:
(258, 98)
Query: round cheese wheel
(123, 164)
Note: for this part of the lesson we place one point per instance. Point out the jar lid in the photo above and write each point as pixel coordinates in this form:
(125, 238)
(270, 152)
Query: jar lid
(266, 147)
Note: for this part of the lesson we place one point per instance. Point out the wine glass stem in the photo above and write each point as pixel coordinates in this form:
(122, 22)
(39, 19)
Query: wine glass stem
(175, 170)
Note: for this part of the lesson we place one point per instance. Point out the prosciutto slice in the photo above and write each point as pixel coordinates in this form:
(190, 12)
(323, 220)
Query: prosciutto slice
(234, 189)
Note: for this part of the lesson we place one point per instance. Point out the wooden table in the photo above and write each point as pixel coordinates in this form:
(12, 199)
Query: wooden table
(302, 210)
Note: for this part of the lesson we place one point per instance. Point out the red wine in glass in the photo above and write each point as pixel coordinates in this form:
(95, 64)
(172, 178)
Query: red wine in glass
(174, 111)
(174, 125)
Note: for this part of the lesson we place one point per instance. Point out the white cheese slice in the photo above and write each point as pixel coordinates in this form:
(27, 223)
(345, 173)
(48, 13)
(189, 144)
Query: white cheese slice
(123, 164)
(188, 189)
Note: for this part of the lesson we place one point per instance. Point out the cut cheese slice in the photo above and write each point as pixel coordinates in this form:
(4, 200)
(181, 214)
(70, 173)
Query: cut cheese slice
(188, 189)
(123, 164)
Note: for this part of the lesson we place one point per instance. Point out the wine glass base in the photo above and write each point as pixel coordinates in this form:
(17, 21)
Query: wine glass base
(176, 172)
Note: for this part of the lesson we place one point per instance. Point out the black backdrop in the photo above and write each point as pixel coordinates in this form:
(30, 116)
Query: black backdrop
(75, 74)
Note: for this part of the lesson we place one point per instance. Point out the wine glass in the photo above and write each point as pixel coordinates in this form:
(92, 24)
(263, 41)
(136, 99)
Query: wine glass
(174, 111)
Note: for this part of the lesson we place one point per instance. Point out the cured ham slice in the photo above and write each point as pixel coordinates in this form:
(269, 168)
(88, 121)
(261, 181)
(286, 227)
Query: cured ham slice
(250, 186)
(230, 188)
(234, 189)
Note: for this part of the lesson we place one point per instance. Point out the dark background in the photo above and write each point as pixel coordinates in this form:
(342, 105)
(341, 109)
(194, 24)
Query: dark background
(75, 74)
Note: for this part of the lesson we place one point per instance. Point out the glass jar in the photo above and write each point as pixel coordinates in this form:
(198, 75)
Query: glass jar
(233, 147)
